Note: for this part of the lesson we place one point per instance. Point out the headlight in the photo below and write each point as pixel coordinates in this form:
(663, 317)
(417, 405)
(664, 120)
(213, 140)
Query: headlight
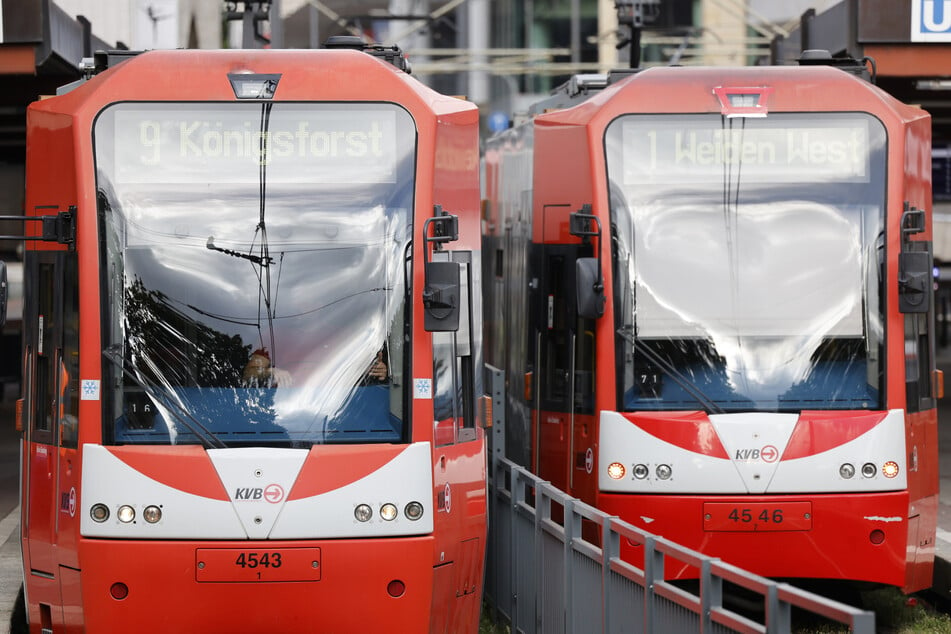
(126, 514)
(846, 471)
(363, 512)
(616, 470)
(413, 510)
(99, 512)
(152, 514)
(388, 512)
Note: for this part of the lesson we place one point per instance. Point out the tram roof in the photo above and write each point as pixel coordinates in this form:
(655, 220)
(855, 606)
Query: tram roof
(696, 89)
(203, 75)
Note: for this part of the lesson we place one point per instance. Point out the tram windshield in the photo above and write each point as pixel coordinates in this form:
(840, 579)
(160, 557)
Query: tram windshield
(256, 272)
(748, 257)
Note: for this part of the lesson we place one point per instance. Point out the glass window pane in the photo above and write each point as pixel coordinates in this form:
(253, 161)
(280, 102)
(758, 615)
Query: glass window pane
(747, 260)
(257, 271)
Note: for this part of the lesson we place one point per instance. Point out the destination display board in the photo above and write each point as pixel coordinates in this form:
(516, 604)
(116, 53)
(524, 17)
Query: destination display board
(293, 143)
(678, 151)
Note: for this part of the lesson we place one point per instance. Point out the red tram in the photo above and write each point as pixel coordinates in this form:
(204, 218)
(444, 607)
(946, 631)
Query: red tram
(251, 288)
(710, 289)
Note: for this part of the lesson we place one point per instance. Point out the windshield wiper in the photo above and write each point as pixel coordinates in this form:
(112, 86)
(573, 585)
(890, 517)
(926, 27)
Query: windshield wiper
(257, 259)
(182, 415)
(690, 388)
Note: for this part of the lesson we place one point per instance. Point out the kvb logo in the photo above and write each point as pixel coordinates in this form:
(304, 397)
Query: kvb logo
(768, 453)
(931, 20)
(272, 493)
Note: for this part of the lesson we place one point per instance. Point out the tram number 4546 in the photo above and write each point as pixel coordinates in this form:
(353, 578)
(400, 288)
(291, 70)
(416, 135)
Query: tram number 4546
(787, 516)
(746, 516)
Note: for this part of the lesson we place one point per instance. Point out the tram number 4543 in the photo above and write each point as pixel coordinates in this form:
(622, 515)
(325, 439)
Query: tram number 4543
(787, 516)
(241, 564)
(253, 560)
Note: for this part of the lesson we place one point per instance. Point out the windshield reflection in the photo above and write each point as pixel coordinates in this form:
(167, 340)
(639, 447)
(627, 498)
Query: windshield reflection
(256, 305)
(761, 291)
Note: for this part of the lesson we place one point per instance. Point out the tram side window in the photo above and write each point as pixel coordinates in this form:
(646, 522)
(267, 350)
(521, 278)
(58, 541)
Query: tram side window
(918, 362)
(68, 372)
(45, 325)
(55, 339)
(584, 366)
(568, 361)
(445, 405)
(557, 351)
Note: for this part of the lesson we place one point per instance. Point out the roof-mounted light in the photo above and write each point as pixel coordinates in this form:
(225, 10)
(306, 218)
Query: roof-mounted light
(743, 101)
(254, 85)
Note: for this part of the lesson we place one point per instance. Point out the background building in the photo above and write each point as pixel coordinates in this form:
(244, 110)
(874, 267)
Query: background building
(501, 54)
(485, 49)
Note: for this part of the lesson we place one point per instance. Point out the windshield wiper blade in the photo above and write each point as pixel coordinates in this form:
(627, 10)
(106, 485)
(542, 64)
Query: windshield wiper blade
(182, 415)
(257, 259)
(670, 371)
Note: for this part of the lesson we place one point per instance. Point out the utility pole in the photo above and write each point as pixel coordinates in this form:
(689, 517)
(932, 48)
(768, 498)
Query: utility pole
(251, 14)
(635, 14)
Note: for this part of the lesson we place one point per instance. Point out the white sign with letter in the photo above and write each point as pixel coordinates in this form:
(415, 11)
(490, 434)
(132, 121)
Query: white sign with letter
(931, 20)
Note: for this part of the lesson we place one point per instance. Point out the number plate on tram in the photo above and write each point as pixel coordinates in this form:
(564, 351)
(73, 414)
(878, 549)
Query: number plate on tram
(239, 564)
(787, 516)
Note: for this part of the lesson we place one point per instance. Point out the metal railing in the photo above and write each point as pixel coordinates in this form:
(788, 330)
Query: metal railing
(555, 567)
(546, 576)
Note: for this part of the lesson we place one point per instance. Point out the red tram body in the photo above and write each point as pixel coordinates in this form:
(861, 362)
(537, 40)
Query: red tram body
(710, 292)
(230, 239)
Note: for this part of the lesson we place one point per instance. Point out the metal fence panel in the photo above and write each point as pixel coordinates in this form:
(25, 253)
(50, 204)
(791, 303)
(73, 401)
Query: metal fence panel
(524, 558)
(626, 612)
(586, 595)
(499, 574)
(552, 574)
(543, 576)
(670, 616)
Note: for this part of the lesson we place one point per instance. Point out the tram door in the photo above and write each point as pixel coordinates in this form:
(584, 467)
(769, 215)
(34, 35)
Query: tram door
(566, 370)
(52, 338)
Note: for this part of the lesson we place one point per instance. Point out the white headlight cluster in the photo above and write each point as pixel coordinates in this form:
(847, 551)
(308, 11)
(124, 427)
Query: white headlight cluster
(388, 511)
(889, 469)
(125, 513)
(640, 471)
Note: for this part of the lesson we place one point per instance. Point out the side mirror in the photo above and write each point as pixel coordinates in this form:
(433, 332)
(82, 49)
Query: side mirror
(589, 284)
(3, 293)
(441, 294)
(915, 264)
(915, 280)
(441, 297)
(589, 288)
